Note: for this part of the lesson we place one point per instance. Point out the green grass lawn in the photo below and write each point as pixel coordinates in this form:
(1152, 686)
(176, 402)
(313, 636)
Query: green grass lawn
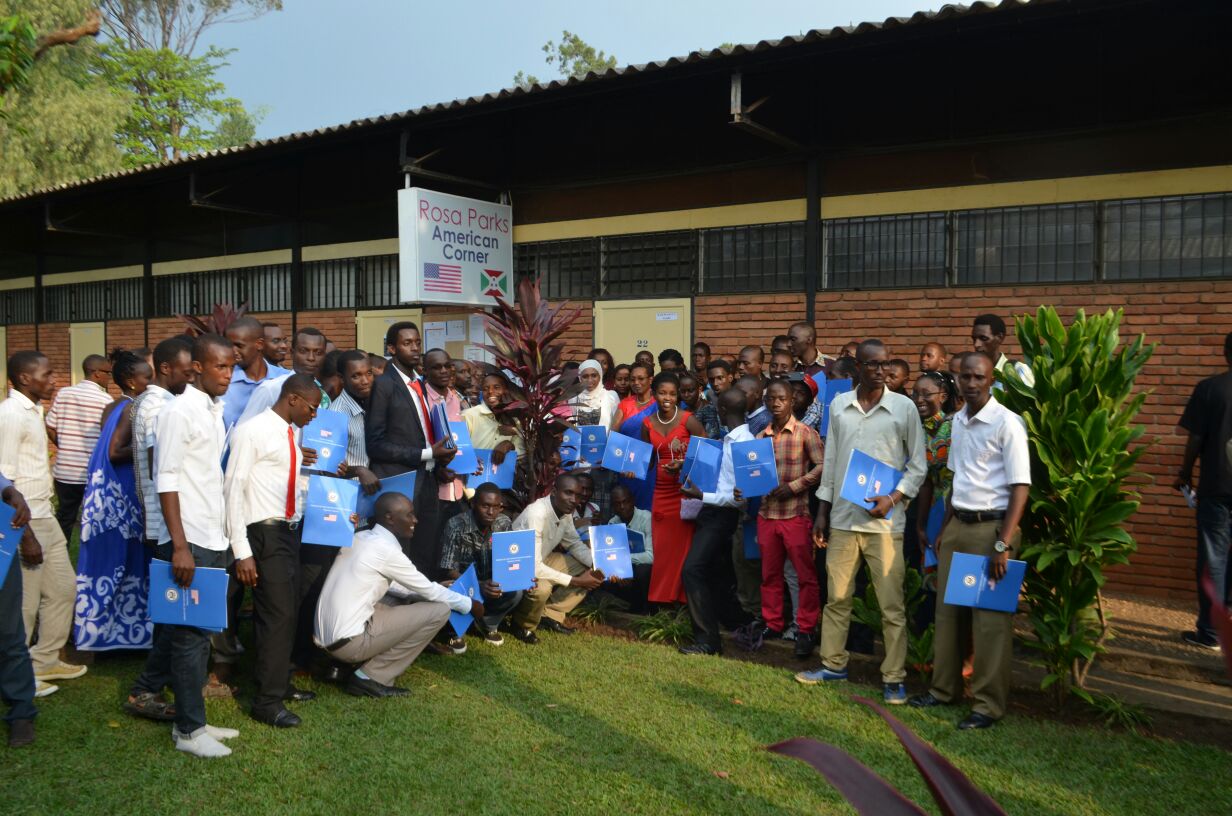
(578, 725)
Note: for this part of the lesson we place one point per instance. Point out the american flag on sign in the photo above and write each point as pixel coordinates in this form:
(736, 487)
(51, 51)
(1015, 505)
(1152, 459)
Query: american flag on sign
(442, 278)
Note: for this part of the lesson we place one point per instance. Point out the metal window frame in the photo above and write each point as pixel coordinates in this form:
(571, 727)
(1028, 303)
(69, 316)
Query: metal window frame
(742, 267)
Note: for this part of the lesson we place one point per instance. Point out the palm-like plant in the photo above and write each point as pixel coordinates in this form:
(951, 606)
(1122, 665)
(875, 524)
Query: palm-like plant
(526, 343)
(220, 319)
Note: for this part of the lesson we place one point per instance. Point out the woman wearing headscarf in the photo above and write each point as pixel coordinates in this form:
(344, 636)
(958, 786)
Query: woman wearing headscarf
(595, 405)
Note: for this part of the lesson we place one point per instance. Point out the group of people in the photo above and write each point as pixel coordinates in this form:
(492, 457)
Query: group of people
(199, 462)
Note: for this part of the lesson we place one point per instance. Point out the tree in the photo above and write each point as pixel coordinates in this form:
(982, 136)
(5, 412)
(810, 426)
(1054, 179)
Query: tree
(573, 57)
(239, 127)
(59, 122)
(177, 103)
(20, 47)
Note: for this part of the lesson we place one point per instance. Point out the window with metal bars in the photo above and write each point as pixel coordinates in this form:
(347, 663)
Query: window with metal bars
(658, 263)
(887, 251)
(1045, 244)
(565, 269)
(264, 288)
(96, 300)
(757, 258)
(1175, 237)
(17, 306)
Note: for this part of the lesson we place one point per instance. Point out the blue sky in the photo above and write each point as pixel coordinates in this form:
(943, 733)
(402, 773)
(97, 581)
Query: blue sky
(324, 62)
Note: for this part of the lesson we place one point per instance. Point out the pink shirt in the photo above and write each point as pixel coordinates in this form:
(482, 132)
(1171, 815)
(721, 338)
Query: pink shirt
(449, 491)
(74, 416)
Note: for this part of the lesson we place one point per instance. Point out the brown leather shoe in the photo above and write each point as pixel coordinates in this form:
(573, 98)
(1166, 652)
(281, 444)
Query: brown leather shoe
(216, 689)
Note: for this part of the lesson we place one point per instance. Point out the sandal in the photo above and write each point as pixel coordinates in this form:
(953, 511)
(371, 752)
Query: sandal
(151, 706)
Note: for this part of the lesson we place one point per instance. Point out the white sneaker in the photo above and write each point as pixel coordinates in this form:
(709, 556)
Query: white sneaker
(42, 689)
(203, 745)
(62, 671)
(215, 731)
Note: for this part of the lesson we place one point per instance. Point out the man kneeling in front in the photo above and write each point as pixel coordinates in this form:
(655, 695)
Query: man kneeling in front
(357, 622)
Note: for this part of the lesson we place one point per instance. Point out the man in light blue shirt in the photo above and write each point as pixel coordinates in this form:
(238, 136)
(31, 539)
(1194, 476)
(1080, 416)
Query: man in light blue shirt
(712, 538)
(251, 368)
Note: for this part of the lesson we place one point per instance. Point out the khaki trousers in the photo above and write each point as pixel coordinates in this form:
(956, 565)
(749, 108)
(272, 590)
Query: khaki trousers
(883, 552)
(549, 599)
(992, 632)
(49, 593)
(393, 638)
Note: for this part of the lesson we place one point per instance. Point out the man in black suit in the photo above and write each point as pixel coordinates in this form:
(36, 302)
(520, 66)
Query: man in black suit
(399, 439)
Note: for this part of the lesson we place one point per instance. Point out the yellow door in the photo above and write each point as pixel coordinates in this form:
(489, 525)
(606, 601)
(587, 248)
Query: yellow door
(625, 327)
(370, 327)
(85, 339)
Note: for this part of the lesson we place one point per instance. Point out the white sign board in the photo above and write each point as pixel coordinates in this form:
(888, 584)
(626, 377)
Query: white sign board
(453, 250)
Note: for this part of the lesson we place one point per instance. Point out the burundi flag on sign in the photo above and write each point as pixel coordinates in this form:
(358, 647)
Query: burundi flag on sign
(494, 283)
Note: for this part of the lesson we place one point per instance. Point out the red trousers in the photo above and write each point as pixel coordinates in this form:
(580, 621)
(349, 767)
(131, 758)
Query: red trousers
(781, 539)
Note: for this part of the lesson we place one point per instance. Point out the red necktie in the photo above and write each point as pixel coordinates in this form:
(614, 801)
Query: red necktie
(429, 431)
(291, 485)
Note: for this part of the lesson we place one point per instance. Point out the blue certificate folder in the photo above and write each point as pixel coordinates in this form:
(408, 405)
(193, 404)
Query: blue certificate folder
(609, 550)
(624, 454)
(637, 541)
(827, 390)
(701, 464)
(594, 440)
(867, 477)
(468, 585)
(755, 470)
(970, 585)
(10, 539)
(501, 476)
(440, 422)
(513, 559)
(403, 483)
(327, 435)
(328, 509)
(203, 604)
(464, 462)
(752, 549)
(933, 532)
(570, 448)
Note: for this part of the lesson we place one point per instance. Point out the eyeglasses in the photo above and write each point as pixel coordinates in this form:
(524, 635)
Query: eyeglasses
(919, 395)
(872, 364)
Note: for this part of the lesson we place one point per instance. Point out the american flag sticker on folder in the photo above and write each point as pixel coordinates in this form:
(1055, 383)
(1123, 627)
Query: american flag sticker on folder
(442, 278)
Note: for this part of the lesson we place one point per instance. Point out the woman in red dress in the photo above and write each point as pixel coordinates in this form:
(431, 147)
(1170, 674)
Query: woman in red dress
(668, 429)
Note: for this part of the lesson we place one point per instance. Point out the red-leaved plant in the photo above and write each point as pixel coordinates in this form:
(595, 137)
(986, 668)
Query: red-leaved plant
(219, 320)
(525, 340)
(871, 795)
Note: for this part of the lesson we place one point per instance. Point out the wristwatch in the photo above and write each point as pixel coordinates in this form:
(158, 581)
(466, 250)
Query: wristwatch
(1001, 547)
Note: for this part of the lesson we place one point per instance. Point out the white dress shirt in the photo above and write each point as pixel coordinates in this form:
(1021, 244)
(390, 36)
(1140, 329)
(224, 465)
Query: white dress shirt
(551, 531)
(425, 455)
(724, 494)
(145, 426)
(891, 433)
(23, 451)
(188, 461)
(258, 470)
(361, 575)
(640, 523)
(988, 454)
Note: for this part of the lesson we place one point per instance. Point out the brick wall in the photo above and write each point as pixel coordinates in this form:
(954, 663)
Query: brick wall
(728, 323)
(337, 325)
(53, 341)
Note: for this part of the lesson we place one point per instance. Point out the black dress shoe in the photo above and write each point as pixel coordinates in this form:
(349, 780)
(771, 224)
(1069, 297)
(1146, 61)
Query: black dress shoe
(976, 720)
(925, 700)
(549, 625)
(804, 645)
(335, 673)
(298, 695)
(21, 733)
(367, 687)
(699, 649)
(283, 719)
(524, 635)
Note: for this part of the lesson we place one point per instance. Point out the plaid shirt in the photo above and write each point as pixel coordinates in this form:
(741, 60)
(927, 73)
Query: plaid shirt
(464, 544)
(798, 455)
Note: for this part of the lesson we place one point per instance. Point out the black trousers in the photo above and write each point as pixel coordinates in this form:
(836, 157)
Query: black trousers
(69, 496)
(314, 563)
(16, 671)
(712, 543)
(275, 606)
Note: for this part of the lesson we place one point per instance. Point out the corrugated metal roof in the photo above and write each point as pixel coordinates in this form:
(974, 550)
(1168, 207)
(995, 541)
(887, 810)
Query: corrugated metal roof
(946, 12)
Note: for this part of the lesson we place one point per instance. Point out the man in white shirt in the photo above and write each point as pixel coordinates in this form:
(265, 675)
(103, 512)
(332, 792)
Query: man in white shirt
(886, 426)
(357, 622)
(73, 425)
(991, 462)
(188, 462)
(49, 582)
(263, 512)
(562, 578)
(716, 524)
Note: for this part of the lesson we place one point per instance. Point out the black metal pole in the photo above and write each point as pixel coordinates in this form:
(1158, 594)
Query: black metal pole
(812, 236)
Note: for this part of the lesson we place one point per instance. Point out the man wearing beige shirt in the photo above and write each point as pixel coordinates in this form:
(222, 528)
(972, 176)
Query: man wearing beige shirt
(886, 426)
(563, 572)
(49, 584)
